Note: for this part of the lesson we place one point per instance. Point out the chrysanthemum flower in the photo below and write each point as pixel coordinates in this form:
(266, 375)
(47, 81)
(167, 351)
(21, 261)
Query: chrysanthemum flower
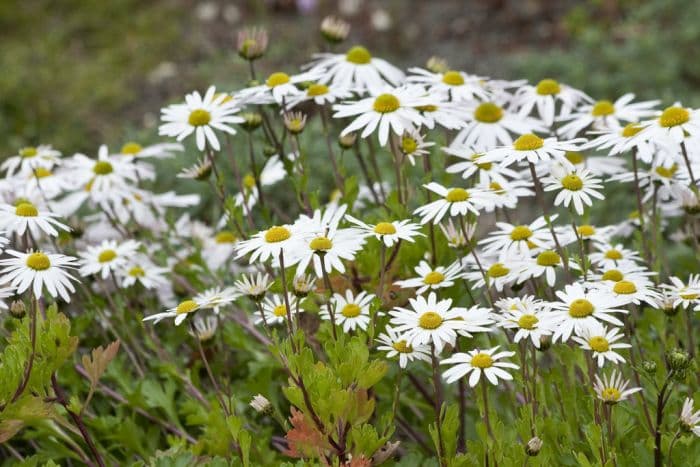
(545, 263)
(576, 187)
(269, 243)
(254, 286)
(201, 116)
(610, 256)
(478, 362)
(392, 109)
(140, 269)
(454, 202)
(605, 114)
(498, 274)
(685, 294)
(30, 158)
(515, 241)
(459, 85)
(632, 290)
(544, 97)
(689, 420)
(395, 345)
(180, 312)
(37, 270)
(389, 232)
(472, 163)
(613, 389)
(274, 310)
(25, 216)
(355, 69)
(673, 125)
(528, 317)
(602, 342)
(352, 312)
(320, 94)
(432, 278)
(107, 257)
(412, 144)
(531, 148)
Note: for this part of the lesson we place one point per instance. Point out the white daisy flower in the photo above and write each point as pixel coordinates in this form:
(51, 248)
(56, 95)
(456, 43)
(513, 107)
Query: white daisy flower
(602, 342)
(389, 232)
(476, 319)
(622, 140)
(355, 69)
(453, 202)
(274, 310)
(350, 311)
(180, 312)
(576, 187)
(216, 297)
(412, 144)
(685, 294)
(605, 114)
(30, 158)
(428, 321)
(579, 309)
(613, 389)
(217, 250)
(272, 172)
(472, 162)
(204, 327)
(599, 166)
(673, 125)
(254, 286)
(140, 269)
(456, 236)
(528, 317)
(444, 113)
(201, 116)
(393, 109)
(46, 183)
(104, 174)
(632, 290)
(395, 345)
(609, 256)
(459, 85)
(545, 263)
(198, 171)
(689, 420)
(278, 87)
(269, 243)
(154, 151)
(544, 97)
(498, 274)
(39, 270)
(26, 216)
(431, 279)
(478, 362)
(531, 148)
(490, 125)
(516, 241)
(107, 257)
(506, 195)
(320, 94)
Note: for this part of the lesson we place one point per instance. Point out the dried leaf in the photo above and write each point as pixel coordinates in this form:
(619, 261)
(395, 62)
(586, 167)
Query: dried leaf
(96, 366)
(304, 439)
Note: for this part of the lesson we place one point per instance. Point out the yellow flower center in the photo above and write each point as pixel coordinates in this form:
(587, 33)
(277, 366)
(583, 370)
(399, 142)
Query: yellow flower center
(106, 256)
(38, 261)
(528, 321)
(631, 129)
(614, 275)
(625, 288)
(574, 157)
(277, 234)
(137, 271)
(599, 344)
(689, 296)
(548, 87)
(386, 103)
(385, 228)
(666, 172)
(28, 152)
(426, 108)
(249, 181)
(488, 112)
(520, 232)
(603, 108)
(572, 182)
(41, 172)
(610, 394)
(613, 254)
(131, 148)
(402, 346)
(199, 117)
(279, 311)
(225, 236)
(456, 195)
(497, 188)
(358, 55)
(351, 310)
(548, 258)
(497, 270)
(482, 360)
(408, 145)
(277, 79)
(321, 244)
(316, 90)
(674, 116)
(586, 230)
(102, 168)
(580, 308)
(528, 142)
(188, 306)
(453, 78)
(26, 210)
(430, 320)
(433, 277)
(481, 165)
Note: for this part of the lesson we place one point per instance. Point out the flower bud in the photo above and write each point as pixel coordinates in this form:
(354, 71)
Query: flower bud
(303, 285)
(252, 43)
(253, 120)
(649, 366)
(18, 309)
(533, 446)
(261, 405)
(269, 150)
(545, 343)
(437, 64)
(334, 29)
(295, 122)
(347, 141)
(678, 359)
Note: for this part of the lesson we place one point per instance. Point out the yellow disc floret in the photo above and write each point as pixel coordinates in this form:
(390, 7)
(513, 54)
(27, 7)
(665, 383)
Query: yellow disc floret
(453, 78)
(488, 112)
(599, 344)
(527, 321)
(106, 256)
(456, 195)
(385, 228)
(603, 108)
(548, 258)
(102, 168)
(624, 287)
(528, 142)
(358, 55)
(572, 182)
(277, 234)
(26, 210)
(188, 306)
(38, 261)
(548, 87)
(386, 103)
(199, 117)
(580, 308)
(433, 277)
(351, 310)
(430, 320)
(482, 360)
(321, 244)
(674, 116)
(277, 79)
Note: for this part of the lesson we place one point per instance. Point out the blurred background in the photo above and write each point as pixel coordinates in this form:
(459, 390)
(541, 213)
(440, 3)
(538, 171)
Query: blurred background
(77, 73)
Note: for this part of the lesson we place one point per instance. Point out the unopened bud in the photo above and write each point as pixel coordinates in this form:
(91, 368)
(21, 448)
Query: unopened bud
(252, 43)
(678, 359)
(269, 150)
(437, 64)
(334, 29)
(303, 285)
(18, 309)
(295, 122)
(261, 405)
(545, 343)
(252, 121)
(649, 366)
(533, 446)
(347, 141)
